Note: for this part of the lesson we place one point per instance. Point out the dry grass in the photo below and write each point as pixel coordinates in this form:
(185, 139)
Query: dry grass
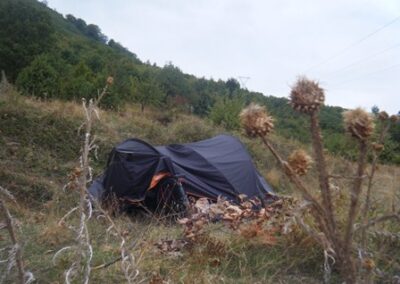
(274, 177)
(295, 258)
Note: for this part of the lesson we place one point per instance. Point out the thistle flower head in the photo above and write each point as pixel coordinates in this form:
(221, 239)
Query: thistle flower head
(383, 115)
(306, 96)
(358, 123)
(256, 121)
(300, 162)
(110, 80)
(369, 264)
(394, 118)
(377, 147)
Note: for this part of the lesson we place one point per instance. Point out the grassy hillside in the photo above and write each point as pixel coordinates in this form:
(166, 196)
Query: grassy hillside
(39, 147)
(49, 55)
(54, 61)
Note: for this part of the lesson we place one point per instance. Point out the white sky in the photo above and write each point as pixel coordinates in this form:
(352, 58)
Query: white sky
(270, 41)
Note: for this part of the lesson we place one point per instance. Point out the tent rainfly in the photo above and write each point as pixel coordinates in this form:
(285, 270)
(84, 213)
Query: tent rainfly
(210, 168)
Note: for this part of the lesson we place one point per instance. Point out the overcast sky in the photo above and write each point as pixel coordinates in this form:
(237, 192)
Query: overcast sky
(352, 47)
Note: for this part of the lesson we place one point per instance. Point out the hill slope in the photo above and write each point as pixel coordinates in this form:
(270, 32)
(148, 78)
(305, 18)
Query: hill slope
(55, 61)
(51, 56)
(39, 147)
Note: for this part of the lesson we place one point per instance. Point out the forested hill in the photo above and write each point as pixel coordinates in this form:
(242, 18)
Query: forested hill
(48, 55)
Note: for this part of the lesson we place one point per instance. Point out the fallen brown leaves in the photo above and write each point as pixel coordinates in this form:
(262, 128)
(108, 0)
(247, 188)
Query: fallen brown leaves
(171, 247)
(247, 219)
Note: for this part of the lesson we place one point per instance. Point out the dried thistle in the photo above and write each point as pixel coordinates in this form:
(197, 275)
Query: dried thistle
(306, 96)
(383, 115)
(358, 123)
(368, 264)
(377, 147)
(300, 162)
(256, 121)
(110, 80)
(5, 86)
(15, 257)
(394, 118)
(79, 179)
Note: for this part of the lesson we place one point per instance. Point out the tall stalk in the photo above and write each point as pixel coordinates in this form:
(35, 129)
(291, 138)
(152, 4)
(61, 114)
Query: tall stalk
(323, 175)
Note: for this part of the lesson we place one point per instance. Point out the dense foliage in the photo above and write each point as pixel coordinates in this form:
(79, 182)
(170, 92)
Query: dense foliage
(25, 32)
(49, 56)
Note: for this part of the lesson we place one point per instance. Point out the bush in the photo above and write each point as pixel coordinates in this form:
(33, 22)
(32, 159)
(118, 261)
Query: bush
(190, 129)
(226, 113)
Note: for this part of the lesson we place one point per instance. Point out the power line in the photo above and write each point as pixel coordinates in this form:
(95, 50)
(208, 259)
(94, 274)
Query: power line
(367, 75)
(364, 59)
(357, 42)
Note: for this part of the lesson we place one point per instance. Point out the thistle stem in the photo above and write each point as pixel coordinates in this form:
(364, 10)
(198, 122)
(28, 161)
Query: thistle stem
(369, 187)
(323, 176)
(355, 196)
(13, 236)
(321, 215)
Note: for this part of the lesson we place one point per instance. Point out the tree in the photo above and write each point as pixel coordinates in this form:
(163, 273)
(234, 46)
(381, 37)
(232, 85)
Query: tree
(40, 78)
(233, 85)
(95, 62)
(201, 97)
(121, 49)
(25, 32)
(375, 109)
(78, 23)
(91, 30)
(146, 93)
(80, 83)
(172, 81)
(95, 33)
(203, 105)
(226, 113)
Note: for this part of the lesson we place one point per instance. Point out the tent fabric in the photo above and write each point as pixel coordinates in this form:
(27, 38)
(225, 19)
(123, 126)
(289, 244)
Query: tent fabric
(210, 168)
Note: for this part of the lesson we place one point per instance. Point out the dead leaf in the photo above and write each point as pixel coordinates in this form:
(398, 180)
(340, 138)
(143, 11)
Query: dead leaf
(215, 262)
(202, 204)
(227, 218)
(156, 279)
(168, 246)
(242, 197)
(246, 205)
(234, 210)
(247, 213)
(183, 221)
(199, 224)
(268, 239)
(249, 232)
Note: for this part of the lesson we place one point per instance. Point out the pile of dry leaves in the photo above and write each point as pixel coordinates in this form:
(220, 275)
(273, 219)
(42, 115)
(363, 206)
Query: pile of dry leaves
(248, 218)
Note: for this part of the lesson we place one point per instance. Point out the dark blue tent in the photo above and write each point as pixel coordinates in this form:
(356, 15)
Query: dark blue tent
(212, 167)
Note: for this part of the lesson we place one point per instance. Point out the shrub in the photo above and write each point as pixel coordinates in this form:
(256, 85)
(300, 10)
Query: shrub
(225, 113)
(190, 129)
